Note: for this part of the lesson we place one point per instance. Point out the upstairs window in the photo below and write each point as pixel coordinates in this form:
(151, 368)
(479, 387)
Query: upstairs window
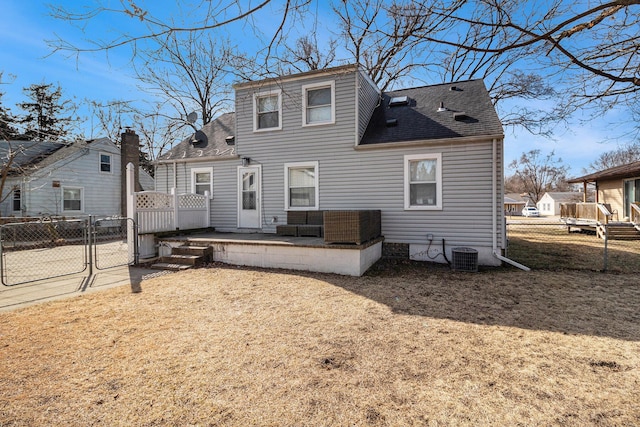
(72, 199)
(423, 182)
(105, 162)
(17, 200)
(268, 111)
(319, 104)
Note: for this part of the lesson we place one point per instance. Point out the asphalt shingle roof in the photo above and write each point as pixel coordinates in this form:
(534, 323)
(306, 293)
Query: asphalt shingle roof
(629, 170)
(421, 120)
(211, 141)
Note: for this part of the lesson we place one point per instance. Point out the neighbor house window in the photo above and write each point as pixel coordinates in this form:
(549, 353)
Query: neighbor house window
(202, 180)
(301, 185)
(105, 162)
(423, 182)
(72, 199)
(268, 111)
(319, 104)
(17, 200)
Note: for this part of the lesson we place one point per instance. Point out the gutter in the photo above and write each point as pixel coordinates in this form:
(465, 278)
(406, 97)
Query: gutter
(427, 142)
(494, 219)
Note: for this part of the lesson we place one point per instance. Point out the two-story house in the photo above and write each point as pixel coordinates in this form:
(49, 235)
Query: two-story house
(66, 179)
(429, 158)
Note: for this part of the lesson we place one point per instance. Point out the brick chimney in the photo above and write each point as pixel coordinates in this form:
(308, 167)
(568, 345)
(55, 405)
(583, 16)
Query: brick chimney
(129, 153)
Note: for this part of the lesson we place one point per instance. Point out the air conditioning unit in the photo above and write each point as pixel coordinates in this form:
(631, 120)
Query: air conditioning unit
(464, 259)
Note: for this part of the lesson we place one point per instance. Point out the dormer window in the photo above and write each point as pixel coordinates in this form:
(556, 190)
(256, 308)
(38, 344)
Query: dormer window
(268, 111)
(319, 104)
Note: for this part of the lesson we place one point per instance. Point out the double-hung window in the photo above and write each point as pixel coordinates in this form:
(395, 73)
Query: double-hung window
(318, 104)
(72, 199)
(202, 180)
(423, 182)
(267, 111)
(105, 163)
(17, 200)
(301, 186)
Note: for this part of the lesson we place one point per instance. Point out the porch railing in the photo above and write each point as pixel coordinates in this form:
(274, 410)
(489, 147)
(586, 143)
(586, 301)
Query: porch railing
(635, 213)
(158, 211)
(598, 212)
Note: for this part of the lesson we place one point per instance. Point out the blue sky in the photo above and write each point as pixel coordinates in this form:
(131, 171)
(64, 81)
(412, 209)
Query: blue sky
(26, 59)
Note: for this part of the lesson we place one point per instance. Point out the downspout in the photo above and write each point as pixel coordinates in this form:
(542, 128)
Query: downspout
(357, 97)
(175, 177)
(494, 221)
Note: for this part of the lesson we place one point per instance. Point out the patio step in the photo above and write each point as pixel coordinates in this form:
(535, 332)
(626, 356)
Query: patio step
(622, 232)
(185, 257)
(170, 267)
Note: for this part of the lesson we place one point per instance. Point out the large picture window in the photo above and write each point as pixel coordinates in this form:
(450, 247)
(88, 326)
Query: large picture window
(267, 111)
(319, 104)
(423, 182)
(202, 180)
(72, 199)
(301, 186)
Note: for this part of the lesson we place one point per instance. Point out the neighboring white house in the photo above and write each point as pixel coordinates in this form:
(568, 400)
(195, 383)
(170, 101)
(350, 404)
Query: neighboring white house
(79, 178)
(549, 203)
(430, 158)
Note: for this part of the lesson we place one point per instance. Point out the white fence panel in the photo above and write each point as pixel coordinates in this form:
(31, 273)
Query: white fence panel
(158, 212)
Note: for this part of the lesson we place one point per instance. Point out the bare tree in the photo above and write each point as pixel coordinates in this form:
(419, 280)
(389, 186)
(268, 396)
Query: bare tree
(624, 154)
(206, 16)
(539, 174)
(189, 74)
(591, 49)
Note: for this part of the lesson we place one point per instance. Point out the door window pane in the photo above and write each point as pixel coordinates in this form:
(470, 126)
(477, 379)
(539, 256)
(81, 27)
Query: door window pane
(249, 191)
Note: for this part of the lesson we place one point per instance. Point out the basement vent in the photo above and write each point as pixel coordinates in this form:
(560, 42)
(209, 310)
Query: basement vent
(391, 123)
(464, 259)
(231, 140)
(398, 100)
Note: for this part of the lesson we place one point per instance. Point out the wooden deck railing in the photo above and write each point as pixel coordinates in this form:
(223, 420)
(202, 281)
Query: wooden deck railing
(635, 213)
(597, 212)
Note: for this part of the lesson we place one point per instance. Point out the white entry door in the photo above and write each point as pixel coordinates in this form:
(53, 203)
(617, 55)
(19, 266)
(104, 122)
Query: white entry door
(249, 201)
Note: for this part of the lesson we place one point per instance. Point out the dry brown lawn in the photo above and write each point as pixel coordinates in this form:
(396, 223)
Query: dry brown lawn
(405, 345)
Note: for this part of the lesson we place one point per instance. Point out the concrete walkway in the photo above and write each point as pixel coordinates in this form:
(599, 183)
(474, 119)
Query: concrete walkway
(13, 297)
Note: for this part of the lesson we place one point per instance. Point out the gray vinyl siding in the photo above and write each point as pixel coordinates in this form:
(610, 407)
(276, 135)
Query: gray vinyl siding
(351, 178)
(368, 98)
(224, 202)
(100, 191)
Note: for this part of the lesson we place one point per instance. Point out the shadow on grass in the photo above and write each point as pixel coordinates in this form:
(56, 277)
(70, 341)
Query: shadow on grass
(569, 302)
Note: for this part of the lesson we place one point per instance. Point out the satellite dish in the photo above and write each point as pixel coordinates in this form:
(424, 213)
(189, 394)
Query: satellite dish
(192, 117)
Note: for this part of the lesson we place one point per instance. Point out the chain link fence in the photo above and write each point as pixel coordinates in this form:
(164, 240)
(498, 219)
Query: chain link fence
(554, 245)
(51, 247)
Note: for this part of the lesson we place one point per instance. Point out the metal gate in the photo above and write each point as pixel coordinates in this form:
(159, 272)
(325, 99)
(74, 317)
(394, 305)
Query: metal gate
(55, 247)
(110, 241)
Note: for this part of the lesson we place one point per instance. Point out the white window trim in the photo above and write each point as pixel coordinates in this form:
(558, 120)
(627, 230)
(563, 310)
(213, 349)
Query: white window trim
(81, 198)
(316, 167)
(194, 171)
(407, 181)
(305, 88)
(100, 154)
(255, 109)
